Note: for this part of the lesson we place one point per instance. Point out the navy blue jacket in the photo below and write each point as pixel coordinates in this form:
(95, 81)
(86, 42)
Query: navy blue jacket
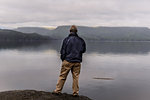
(72, 48)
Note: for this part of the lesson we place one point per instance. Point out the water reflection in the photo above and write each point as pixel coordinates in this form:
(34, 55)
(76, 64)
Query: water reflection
(92, 46)
(36, 66)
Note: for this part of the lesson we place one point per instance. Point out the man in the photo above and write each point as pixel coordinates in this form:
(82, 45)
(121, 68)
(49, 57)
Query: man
(71, 55)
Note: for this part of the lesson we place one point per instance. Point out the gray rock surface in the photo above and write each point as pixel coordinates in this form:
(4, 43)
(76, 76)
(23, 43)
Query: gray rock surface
(37, 95)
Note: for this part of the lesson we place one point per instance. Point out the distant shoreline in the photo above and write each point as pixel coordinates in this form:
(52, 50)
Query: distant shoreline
(62, 39)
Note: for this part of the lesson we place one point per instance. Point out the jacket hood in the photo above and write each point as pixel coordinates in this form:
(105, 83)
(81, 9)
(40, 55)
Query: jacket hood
(73, 34)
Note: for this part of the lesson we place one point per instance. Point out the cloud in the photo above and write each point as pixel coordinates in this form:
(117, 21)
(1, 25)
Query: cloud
(16, 13)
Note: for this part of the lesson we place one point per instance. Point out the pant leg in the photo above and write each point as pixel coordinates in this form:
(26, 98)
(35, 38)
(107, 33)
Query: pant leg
(66, 67)
(75, 74)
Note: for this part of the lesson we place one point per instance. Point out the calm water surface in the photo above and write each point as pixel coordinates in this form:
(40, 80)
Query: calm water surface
(37, 66)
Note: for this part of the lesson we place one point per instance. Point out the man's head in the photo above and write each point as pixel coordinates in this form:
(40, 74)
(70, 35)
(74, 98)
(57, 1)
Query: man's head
(73, 28)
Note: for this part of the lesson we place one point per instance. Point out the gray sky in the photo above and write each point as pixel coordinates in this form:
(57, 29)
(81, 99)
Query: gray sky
(18, 13)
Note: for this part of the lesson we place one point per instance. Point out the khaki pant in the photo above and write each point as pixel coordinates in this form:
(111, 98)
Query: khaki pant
(66, 67)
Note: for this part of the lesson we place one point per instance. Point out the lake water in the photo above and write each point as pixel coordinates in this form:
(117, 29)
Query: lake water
(37, 66)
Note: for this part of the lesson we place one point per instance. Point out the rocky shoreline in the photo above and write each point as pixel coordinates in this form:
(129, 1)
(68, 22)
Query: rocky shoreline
(37, 95)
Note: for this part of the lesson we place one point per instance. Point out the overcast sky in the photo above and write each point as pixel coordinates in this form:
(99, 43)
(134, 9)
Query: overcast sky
(18, 13)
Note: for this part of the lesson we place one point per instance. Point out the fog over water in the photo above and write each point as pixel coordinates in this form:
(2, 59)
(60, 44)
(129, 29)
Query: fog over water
(37, 66)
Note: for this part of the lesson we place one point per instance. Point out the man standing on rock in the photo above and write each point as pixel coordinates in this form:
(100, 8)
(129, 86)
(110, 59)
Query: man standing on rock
(71, 55)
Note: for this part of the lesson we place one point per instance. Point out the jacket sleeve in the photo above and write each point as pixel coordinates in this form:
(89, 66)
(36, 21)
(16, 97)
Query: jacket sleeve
(84, 47)
(63, 50)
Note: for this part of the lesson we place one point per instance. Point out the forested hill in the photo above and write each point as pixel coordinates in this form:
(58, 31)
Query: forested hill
(96, 33)
(107, 33)
(10, 35)
(39, 30)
